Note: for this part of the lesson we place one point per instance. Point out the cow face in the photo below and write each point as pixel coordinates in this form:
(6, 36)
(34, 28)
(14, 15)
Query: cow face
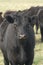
(19, 40)
(19, 25)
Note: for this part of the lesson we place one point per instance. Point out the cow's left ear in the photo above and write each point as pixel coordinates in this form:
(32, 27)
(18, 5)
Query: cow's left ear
(9, 18)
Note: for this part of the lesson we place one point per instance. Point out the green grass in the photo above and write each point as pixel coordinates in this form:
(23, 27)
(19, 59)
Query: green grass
(21, 5)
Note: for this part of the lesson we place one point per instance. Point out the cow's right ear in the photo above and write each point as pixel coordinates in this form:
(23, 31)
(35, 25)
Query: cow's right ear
(9, 18)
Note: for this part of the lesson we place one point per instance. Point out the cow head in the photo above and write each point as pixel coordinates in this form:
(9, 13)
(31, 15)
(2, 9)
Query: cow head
(18, 23)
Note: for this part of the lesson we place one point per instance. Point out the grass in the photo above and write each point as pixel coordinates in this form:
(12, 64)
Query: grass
(21, 5)
(38, 55)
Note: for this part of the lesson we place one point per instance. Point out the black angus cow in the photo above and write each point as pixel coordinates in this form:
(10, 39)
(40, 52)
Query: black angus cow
(32, 16)
(18, 41)
(34, 12)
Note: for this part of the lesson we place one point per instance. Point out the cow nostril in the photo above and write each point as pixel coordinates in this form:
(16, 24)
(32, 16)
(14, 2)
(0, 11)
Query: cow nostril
(22, 36)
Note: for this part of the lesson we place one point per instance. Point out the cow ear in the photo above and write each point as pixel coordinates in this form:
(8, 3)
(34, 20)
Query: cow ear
(9, 19)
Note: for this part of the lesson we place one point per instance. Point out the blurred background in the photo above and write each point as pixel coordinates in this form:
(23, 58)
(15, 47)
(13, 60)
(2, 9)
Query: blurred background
(21, 5)
(18, 4)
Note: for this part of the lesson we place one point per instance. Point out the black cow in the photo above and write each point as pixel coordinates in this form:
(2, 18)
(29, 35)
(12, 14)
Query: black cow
(18, 41)
(32, 16)
(34, 12)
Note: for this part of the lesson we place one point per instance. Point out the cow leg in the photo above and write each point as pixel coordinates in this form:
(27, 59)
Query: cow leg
(37, 26)
(41, 30)
(36, 29)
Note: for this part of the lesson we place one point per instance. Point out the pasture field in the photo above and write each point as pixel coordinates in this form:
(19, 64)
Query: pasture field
(21, 5)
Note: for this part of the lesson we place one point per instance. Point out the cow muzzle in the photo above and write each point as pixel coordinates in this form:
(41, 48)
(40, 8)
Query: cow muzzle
(23, 36)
